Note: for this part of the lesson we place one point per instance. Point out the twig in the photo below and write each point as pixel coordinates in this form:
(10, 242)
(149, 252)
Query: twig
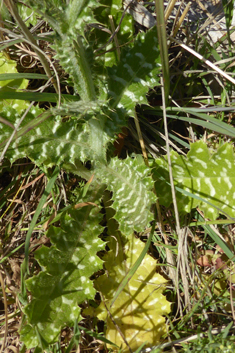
(6, 314)
(231, 296)
(170, 258)
(214, 331)
(115, 324)
(207, 62)
(169, 8)
(182, 17)
(141, 141)
(115, 37)
(116, 30)
(169, 160)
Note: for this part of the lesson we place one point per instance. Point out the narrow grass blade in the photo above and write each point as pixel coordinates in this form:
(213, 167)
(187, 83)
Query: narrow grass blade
(228, 11)
(20, 76)
(226, 130)
(10, 43)
(206, 120)
(161, 31)
(97, 336)
(75, 339)
(37, 97)
(227, 329)
(218, 241)
(141, 347)
(37, 213)
(135, 267)
(10, 253)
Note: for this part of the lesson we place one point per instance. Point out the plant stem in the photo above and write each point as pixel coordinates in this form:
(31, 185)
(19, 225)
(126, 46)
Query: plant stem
(161, 31)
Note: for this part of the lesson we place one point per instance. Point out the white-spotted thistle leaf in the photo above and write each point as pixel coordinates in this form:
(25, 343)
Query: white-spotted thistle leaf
(136, 72)
(209, 175)
(51, 142)
(138, 310)
(131, 185)
(68, 20)
(64, 281)
(55, 142)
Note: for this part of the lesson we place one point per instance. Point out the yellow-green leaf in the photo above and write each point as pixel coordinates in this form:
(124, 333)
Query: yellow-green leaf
(139, 308)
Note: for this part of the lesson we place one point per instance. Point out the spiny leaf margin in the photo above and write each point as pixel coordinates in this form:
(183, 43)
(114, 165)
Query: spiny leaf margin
(139, 307)
(64, 282)
(208, 174)
(55, 142)
(131, 185)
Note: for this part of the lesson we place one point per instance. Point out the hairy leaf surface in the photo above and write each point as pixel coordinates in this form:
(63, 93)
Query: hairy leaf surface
(209, 175)
(139, 308)
(74, 59)
(64, 282)
(132, 186)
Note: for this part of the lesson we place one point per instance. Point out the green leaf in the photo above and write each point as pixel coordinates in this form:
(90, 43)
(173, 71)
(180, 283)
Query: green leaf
(78, 108)
(103, 124)
(102, 14)
(64, 280)
(135, 266)
(76, 64)
(136, 72)
(139, 308)
(27, 14)
(52, 141)
(69, 21)
(208, 175)
(80, 14)
(53, 11)
(64, 16)
(131, 185)
(11, 85)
